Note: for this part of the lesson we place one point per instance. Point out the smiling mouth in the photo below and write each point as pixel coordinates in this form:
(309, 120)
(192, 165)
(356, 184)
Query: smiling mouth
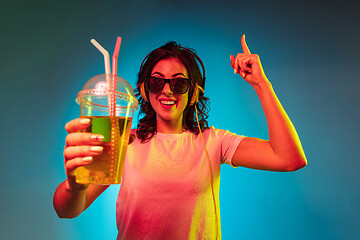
(167, 102)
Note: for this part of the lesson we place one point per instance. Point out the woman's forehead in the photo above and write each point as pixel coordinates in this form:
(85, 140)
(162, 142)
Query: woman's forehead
(169, 66)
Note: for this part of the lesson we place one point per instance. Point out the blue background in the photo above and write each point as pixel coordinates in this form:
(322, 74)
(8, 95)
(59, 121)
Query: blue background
(310, 52)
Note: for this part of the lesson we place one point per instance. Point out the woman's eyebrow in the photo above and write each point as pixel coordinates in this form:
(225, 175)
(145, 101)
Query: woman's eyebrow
(179, 74)
(174, 75)
(157, 74)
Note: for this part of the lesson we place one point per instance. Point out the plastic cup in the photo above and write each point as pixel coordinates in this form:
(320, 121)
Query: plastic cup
(115, 125)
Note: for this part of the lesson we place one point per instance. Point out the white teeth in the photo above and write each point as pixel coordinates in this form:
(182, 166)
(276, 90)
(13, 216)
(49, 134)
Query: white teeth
(167, 102)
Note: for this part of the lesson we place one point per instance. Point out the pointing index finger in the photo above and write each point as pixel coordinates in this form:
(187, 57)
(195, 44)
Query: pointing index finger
(244, 45)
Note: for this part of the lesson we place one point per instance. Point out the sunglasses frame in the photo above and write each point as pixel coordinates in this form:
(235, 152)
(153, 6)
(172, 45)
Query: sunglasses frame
(167, 80)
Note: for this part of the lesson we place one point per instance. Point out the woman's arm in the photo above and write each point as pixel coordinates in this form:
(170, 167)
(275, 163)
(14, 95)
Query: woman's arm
(283, 151)
(71, 198)
(70, 203)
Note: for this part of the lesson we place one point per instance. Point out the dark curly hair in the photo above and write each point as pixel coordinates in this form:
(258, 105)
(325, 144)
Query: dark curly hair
(146, 128)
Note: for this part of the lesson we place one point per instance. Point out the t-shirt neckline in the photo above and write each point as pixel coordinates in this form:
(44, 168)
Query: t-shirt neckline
(172, 135)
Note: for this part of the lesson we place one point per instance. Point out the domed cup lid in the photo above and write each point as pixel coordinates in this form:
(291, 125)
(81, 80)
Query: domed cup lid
(97, 92)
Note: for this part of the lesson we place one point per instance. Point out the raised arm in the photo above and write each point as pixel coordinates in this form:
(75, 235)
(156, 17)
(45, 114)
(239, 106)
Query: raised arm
(283, 150)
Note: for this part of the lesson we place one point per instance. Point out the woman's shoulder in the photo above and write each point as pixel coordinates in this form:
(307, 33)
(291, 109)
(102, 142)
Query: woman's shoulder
(213, 132)
(213, 129)
(219, 132)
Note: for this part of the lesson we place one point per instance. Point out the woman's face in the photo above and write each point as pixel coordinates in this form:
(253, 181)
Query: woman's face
(169, 107)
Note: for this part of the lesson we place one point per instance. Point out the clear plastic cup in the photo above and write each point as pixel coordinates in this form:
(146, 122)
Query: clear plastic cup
(113, 123)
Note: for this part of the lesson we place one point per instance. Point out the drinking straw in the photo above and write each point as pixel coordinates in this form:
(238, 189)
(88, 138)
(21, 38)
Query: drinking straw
(113, 99)
(116, 55)
(106, 55)
(114, 73)
(107, 72)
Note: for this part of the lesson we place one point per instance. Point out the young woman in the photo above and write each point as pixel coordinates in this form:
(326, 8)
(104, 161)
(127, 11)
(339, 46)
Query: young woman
(170, 187)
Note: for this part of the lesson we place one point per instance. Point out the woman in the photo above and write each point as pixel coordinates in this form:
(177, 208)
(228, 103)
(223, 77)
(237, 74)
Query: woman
(170, 187)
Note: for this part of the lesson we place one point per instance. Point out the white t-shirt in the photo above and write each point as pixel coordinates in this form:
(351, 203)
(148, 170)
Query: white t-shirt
(166, 190)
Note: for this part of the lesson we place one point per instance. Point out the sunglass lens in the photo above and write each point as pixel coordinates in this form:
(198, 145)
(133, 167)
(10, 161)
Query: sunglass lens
(155, 84)
(179, 85)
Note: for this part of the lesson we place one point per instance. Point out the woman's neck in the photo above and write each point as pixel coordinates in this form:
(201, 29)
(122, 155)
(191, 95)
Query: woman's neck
(169, 127)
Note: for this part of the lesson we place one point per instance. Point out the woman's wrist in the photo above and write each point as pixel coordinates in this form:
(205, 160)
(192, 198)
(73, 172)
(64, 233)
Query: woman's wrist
(262, 85)
(75, 187)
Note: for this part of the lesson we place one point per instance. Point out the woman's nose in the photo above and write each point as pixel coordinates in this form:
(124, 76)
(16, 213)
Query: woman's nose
(167, 90)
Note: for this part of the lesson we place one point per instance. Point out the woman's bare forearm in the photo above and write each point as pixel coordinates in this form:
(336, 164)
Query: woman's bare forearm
(69, 203)
(283, 137)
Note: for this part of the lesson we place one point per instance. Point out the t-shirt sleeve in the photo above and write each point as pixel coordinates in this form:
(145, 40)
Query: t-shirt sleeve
(229, 142)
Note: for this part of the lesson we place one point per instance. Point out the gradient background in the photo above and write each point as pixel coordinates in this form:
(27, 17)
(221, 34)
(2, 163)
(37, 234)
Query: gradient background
(310, 52)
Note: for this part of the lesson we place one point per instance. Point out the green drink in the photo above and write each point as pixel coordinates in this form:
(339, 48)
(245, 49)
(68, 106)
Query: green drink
(111, 113)
(106, 167)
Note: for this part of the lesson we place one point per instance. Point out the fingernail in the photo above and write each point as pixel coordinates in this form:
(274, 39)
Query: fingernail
(97, 138)
(96, 148)
(234, 71)
(87, 159)
(85, 121)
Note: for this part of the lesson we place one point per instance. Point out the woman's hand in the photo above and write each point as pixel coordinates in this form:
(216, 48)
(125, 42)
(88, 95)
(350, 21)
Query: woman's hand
(248, 65)
(79, 150)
